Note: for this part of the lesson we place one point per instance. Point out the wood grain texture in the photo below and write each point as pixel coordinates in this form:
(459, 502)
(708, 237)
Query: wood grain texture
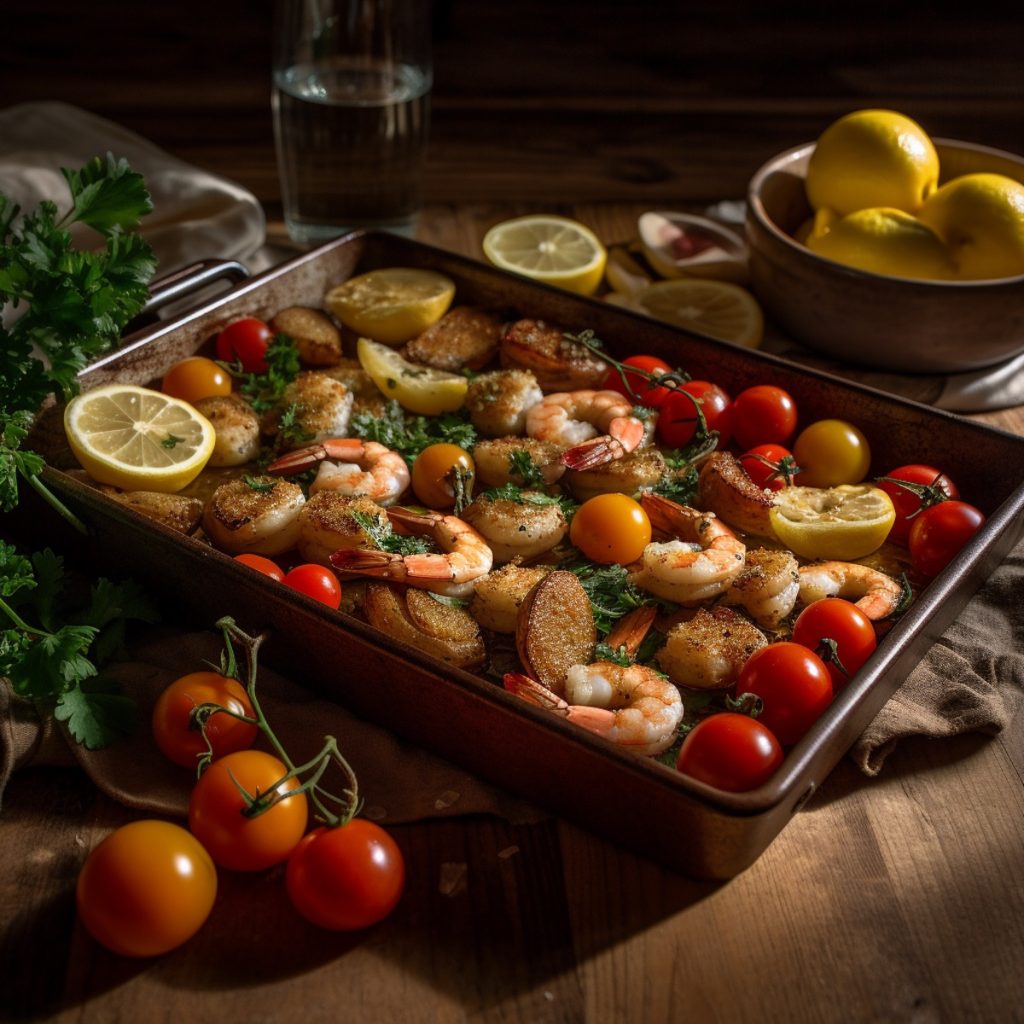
(893, 899)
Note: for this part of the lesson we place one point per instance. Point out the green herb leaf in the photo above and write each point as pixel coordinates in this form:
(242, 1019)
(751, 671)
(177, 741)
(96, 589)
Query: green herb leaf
(384, 537)
(410, 434)
(96, 713)
(108, 195)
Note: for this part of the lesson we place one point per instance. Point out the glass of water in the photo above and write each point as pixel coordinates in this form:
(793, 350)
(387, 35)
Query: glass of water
(351, 94)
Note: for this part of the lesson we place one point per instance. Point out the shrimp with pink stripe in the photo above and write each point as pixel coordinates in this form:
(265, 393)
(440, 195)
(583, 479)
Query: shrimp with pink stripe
(355, 468)
(594, 426)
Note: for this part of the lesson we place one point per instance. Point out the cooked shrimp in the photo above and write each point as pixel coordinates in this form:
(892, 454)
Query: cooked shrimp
(638, 471)
(878, 594)
(496, 460)
(352, 467)
(464, 559)
(632, 705)
(237, 428)
(497, 402)
(767, 586)
(327, 524)
(725, 489)
(595, 426)
(697, 566)
(322, 406)
(708, 651)
(317, 340)
(464, 338)
(558, 362)
(259, 515)
(517, 528)
(499, 595)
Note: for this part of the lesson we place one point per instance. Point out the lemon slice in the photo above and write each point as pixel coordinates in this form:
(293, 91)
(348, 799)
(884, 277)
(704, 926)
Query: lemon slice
(718, 309)
(392, 305)
(555, 250)
(845, 522)
(420, 389)
(138, 439)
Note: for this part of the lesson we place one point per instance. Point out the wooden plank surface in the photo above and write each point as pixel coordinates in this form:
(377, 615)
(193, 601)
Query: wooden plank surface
(899, 898)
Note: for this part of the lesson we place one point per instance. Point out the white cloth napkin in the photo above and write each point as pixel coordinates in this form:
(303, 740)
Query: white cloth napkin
(196, 215)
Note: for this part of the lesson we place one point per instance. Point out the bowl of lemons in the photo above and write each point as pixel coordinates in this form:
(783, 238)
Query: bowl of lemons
(885, 248)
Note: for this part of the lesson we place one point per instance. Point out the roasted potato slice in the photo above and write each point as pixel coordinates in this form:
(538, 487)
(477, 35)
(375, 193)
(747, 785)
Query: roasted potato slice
(387, 610)
(317, 339)
(445, 621)
(555, 629)
(499, 595)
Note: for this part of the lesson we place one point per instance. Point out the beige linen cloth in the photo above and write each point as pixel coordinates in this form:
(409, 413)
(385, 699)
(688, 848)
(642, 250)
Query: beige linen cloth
(971, 680)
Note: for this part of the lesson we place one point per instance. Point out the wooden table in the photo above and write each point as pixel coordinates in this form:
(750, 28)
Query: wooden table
(898, 898)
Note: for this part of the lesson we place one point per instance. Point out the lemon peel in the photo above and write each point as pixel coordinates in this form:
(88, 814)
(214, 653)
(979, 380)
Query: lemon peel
(844, 522)
(420, 389)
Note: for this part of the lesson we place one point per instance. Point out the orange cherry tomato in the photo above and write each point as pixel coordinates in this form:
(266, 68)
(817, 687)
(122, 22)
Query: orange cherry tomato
(194, 378)
(611, 529)
(434, 474)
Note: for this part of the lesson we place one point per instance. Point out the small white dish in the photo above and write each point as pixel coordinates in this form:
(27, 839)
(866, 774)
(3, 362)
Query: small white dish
(686, 245)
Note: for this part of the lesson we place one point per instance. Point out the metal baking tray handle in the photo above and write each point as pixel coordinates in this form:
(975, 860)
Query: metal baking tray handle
(183, 283)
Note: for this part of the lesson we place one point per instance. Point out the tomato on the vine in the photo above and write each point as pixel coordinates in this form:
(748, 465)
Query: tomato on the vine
(175, 731)
(637, 388)
(347, 877)
(794, 685)
(316, 581)
(831, 452)
(262, 564)
(761, 414)
(677, 417)
(938, 533)
(770, 466)
(843, 623)
(438, 470)
(194, 378)
(146, 889)
(928, 486)
(730, 751)
(611, 529)
(217, 811)
(245, 340)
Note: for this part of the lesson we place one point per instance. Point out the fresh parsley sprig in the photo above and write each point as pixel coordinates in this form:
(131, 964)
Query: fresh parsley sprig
(52, 650)
(409, 434)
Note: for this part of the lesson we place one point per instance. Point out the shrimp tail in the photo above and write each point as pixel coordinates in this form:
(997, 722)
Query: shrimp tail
(535, 693)
(366, 562)
(593, 453)
(630, 630)
(302, 458)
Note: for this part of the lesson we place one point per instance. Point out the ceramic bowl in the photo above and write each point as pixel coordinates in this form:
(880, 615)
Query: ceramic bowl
(887, 323)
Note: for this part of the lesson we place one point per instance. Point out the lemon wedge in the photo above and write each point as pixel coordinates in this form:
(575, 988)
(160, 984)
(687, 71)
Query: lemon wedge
(845, 522)
(718, 309)
(138, 439)
(555, 250)
(392, 305)
(420, 389)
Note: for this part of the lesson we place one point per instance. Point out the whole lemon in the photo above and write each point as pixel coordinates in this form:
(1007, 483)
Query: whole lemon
(980, 217)
(872, 158)
(885, 241)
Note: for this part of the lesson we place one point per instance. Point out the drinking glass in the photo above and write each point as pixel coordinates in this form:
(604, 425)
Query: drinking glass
(351, 103)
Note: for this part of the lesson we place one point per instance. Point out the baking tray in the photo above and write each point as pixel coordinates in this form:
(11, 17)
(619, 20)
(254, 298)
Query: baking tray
(633, 801)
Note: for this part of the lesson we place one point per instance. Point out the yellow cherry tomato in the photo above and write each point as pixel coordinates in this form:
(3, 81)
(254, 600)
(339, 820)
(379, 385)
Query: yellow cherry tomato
(611, 529)
(194, 378)
(830, 453)
(437, 473)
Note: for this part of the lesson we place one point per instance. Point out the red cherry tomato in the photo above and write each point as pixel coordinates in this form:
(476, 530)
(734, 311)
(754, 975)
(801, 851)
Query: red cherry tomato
(347, 877)
(846, 626)
(194, 378)
(731, 752)
(677, 417)
(939, 532)
(762, 414)
(218, 819)
(174, 728)
(146, 889)
(246, 341)
(611, 529)
(315, 581)
(908, 501)
(767, 464)
(794, 685)
(261, 564)
(637, 388)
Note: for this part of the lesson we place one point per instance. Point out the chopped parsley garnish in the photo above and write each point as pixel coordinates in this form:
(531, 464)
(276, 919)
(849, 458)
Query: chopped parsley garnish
(409, 434)
(384, 537)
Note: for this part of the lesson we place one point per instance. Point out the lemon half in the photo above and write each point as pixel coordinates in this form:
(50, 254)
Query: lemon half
(420, 389)
(137, 439)
(555, 250)
(392, 305)
(718, 309)
(845, 522)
